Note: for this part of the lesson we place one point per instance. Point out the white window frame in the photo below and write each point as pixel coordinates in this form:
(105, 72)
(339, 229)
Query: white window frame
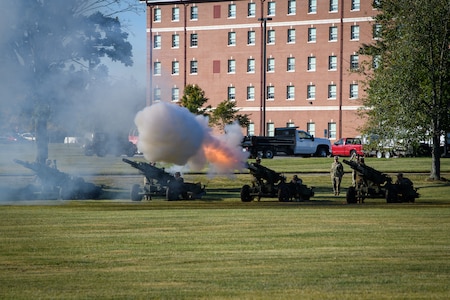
(250, 93)
(232, 38)
(332, 63)
(291, 36)
(271, 8)
(312, 34)
(193, 43)
(175, 94)
(354, 61)
(290, 64)
(292, 7)
(271, 36)
(157, 41)
(354, 33)
(157, 68)
(251, 65)
(312, 61)
(355, 5)
(157, 15)
(231, 92)
(311, 92)
(251, 37)
(334, 6)
(157, 94)
(232, 11)
(175, 67)
(251, 10)
(271, 64)
(175, 14)
(312, 6)
(333, 34)
(332, 91)
(290, 92)
(194, 13)
(231, 66)
(193, 67)
(270, 93)
(175, 41)
(354, 91)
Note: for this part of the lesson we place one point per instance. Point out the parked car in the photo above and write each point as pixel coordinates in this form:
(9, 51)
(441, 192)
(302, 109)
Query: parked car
(27, 136)
(347, 147)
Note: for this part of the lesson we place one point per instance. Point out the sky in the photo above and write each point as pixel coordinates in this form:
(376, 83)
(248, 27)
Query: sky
(136, 27)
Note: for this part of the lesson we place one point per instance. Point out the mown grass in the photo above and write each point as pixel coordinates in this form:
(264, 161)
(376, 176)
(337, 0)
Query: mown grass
(219, 247)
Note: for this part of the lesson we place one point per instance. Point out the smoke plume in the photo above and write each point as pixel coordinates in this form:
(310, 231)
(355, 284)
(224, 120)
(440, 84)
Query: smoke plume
(170, 133)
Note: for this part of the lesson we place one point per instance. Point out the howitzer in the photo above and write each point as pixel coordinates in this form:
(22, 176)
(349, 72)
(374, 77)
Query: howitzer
(372, 183)
(269, 183)
(151, 172)
(56, 184)
(369, 173)
(159, 182)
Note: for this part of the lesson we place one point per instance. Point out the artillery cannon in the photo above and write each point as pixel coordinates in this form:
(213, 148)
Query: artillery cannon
(54, 184)
(375, 184)
(268, 183)
(160, 183)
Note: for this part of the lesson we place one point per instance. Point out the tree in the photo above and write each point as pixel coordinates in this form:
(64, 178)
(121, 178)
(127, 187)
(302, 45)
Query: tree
(226, 113)
(194, 99)
(408, 90)
(51, 53)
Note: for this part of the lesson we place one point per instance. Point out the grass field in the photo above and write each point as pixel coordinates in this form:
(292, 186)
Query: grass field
(219, 247)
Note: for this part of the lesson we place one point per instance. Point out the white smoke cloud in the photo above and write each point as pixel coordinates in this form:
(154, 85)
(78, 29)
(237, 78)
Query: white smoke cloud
(170, 133)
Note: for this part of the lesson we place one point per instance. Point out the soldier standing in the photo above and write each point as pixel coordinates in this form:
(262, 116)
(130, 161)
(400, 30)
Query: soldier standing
(336, 172)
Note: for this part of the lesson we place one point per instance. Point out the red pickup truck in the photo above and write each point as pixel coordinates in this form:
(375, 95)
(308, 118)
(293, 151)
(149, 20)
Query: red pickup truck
(347, 147)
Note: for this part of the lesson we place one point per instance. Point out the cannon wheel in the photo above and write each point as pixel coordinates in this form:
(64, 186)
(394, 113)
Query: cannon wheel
(134, 194)
(269, 153)
(284, 194)
(351, 195)
(245, 194)
(172, 193)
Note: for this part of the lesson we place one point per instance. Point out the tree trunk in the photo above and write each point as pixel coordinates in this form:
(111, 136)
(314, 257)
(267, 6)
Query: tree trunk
(436, 159)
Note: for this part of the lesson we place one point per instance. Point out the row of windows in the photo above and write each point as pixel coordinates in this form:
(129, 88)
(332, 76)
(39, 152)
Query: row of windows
(330, 132)
(270, 92)
(270, 66)
(251, 36)
(251, 9)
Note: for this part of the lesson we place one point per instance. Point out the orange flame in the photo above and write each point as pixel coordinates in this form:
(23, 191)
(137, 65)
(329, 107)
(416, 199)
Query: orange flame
(219, 155)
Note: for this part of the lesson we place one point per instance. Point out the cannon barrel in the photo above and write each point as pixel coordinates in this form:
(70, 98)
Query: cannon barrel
(151, 172)
(369, 173)
(261, 172)
(70, 187)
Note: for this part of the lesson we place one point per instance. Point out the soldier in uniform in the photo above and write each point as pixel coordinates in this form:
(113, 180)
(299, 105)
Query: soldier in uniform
(336, 172)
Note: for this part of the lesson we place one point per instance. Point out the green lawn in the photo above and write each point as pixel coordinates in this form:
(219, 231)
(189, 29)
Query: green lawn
(219, 247)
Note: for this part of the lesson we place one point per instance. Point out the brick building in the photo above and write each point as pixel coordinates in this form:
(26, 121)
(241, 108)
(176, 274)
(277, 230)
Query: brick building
(309, 52)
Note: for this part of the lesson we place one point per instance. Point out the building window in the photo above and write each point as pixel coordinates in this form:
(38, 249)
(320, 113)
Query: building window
(271, 64)
(232, 11)
(332, 63)
(175, 14)
(194, 40)
(376, 31)
(312, 63)
(290, 92)
(331, 91)
(291, 64)
(175, 68)
(270, 129)
(334, 5)
(157, 41)
(270, 92)
(292, 7)
(312, 34)
(175, 94)
(157, 94)
(354, 61)
(175, 40)
(231, 93)
(271, 36)
(311, 128)
(353, 91)
(194, 67)
(355, 5)
(271, 8)
(157, 15)
(157, 68)
(251, 129)
(376, 61)
(290, 124)
(194, 13)
(311, 92)
(251, 10)
(376, 4)
(231, 66)
(332, 130)
(251, 37)
(312, 6)
(232, 38)
(291, 35)
(354, 32)
(333, 34)
(250, 93)
(251, 65)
